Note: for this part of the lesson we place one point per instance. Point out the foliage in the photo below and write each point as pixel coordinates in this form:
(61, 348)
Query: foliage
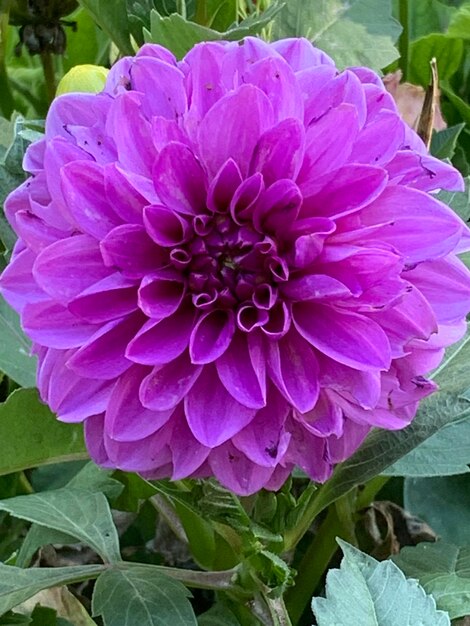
(146, 543)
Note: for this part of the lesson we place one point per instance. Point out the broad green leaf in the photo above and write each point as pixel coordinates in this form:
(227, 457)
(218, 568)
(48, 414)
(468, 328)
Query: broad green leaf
(180, 35)
(112, 18)
(444, 142)
(141, 595)
(30, 435)
(16, 360)
(17, 584)
(462, 107)
(77, 512)
(443, 570)
(88, 44)
(459, 201)
(353, 32)
(443, 502)
(428, 16)
(91, 478)
(460, 23)
(366, 592)
(218, 14)
(447, 52)
(446, 453)
(37, 537)
(384, 447)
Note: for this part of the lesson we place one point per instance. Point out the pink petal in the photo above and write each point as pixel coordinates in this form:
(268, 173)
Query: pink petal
(241, 370)
(84, 193)
(179, 179)
(129, 249)
(211, 336)
(167, 385)
(160, 294)
(161, 342)
(293, 367)
(349, 338)
(226, 132)
(67, 267)
(213, 414)
(279, 152)
(164, 226)
(187, 453)
(52, 325)
(277, 80)
(236, 472)
(315, 287)
(223, 187)
(107, 299)
(103, 356)
(264, 441)
(126, 419)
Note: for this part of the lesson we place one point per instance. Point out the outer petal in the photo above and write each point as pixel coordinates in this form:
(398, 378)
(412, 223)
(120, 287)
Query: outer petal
(236, 472)
(213, 415)
(225, 132)
(67, 267)
(167, 385)
(293, 367)
(348, 338)
(126, 419)
(242, 371)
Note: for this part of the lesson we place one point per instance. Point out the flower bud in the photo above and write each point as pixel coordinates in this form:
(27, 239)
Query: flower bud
(87, 78)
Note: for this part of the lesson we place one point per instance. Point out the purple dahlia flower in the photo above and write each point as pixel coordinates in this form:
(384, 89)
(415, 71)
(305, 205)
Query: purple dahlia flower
(233, 264)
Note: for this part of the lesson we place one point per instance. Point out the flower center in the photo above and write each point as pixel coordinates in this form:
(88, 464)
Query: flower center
(232, 266)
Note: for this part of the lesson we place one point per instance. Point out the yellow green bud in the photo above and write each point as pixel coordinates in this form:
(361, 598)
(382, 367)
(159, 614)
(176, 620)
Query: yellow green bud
(87, 78)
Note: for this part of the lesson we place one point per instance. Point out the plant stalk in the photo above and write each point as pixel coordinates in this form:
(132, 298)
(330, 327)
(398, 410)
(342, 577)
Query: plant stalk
(313, 565)
(7, 103)
(404, 41)
(47, 61)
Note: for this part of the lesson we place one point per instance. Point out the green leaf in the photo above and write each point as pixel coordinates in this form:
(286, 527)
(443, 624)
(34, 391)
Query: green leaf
(353, 32)
(15, 349)
(112, 18)
(141, 595)
(91, 478)
(448, 53)
(444, 142)
(77, 512)
(88, 44)
(460, 23)
(446, 453)
(384, 447)
(459, 201)
(443, 570)
(428, 16)
(443, 502)
(30, 435)
(180, 35)
(366, 592)
(456, 101)
(14, 619)
(18, 585)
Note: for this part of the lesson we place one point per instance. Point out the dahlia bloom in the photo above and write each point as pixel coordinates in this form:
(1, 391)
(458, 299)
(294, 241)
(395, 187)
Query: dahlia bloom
(233, 264)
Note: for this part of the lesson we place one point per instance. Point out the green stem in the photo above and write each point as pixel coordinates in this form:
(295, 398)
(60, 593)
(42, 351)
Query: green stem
(404, 41)
(370, 490)
(201, 13)
(181, 8)
(47, 61)
(224, 580)
(313, 565)
(7, 103)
